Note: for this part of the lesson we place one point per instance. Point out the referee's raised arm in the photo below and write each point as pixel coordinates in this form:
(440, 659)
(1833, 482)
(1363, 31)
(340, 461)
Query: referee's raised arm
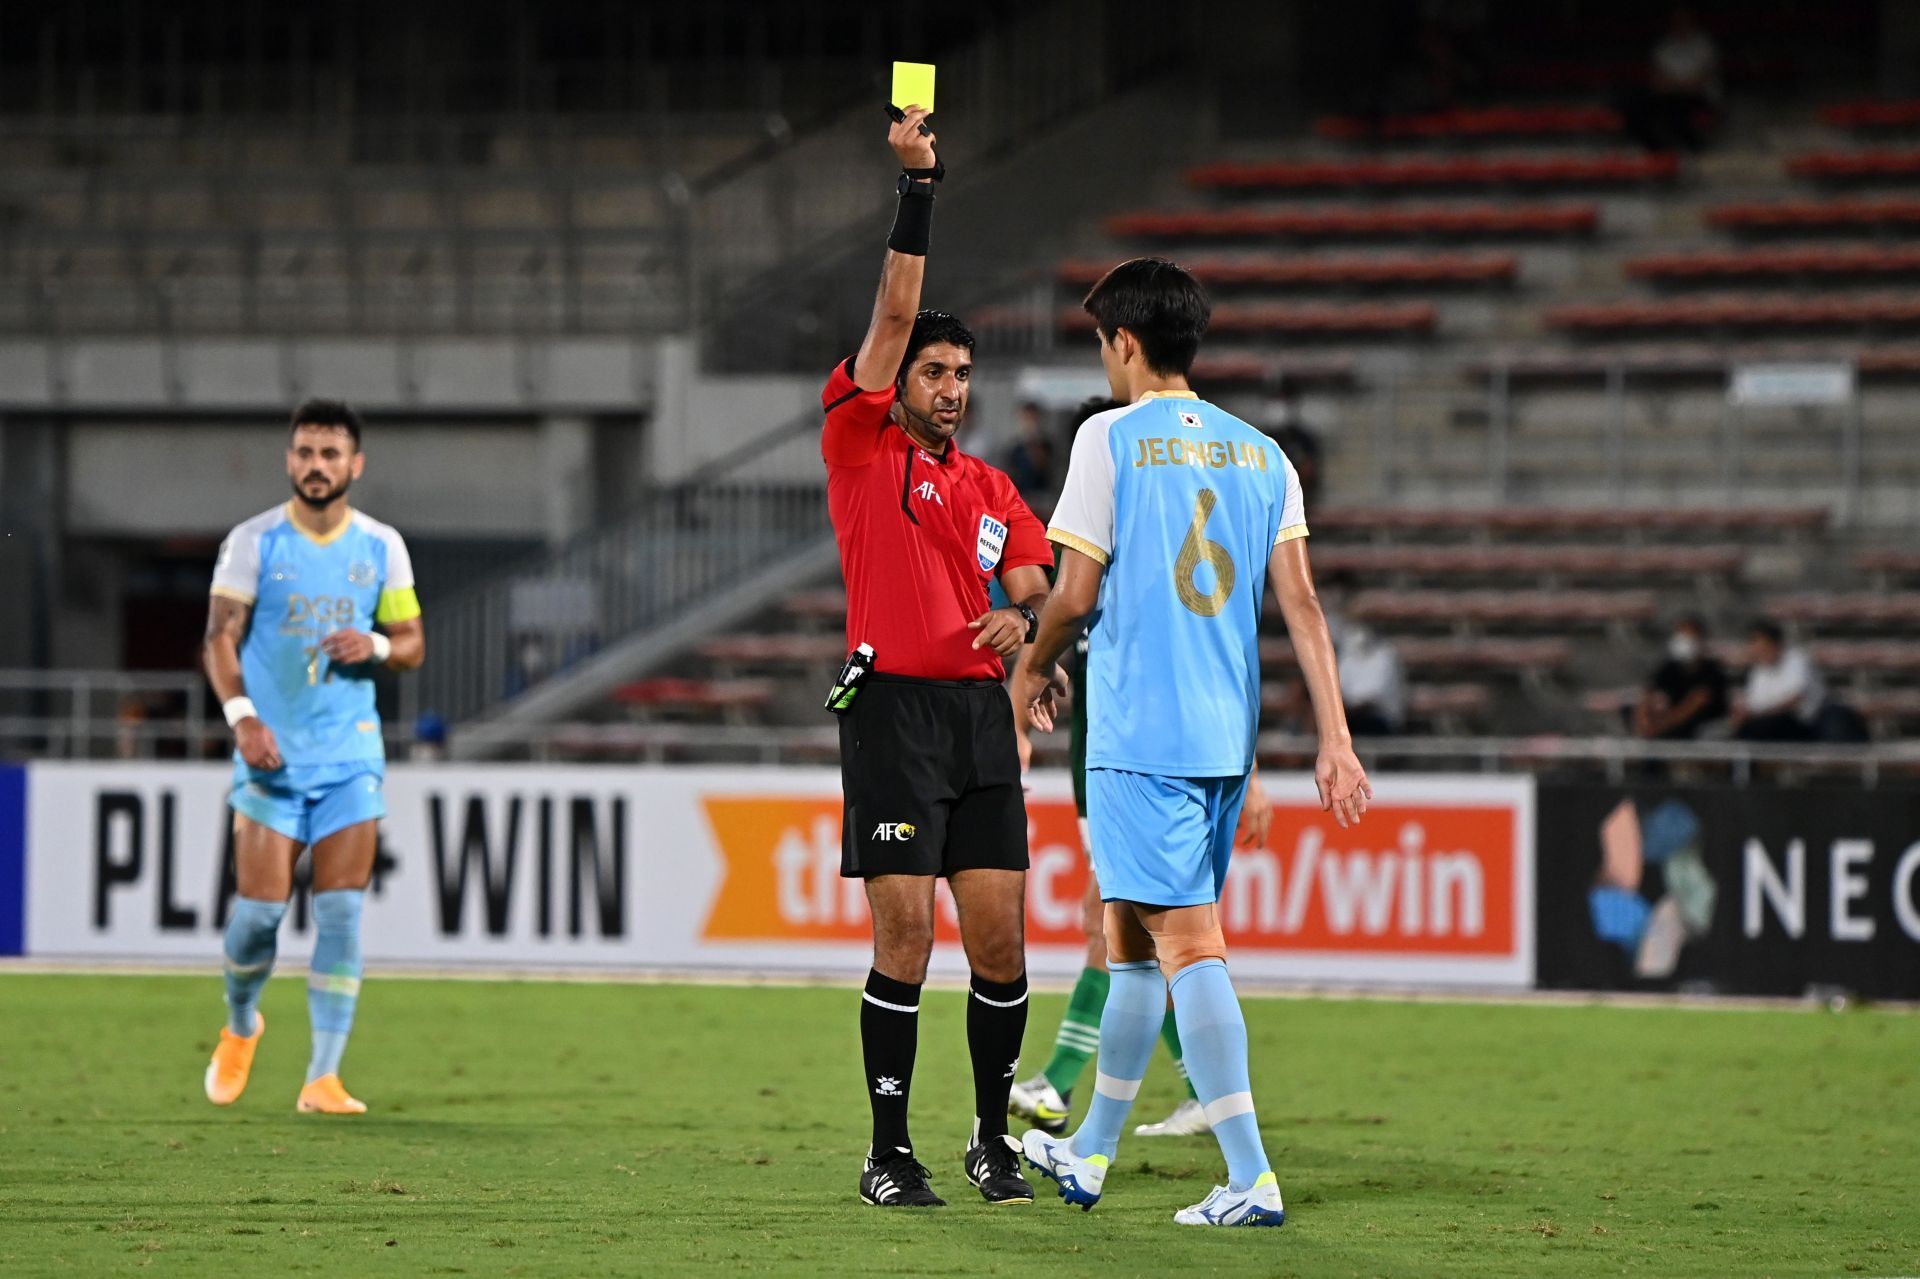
(898, 301)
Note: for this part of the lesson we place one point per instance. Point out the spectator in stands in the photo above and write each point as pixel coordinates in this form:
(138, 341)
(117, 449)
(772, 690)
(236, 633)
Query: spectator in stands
(1683, 84)
(1029, 460)
(1285, 425)
(1784, 693)
(1375, 688)
(1686, 692)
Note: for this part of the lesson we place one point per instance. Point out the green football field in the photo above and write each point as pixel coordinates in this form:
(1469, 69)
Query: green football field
(601, 1129)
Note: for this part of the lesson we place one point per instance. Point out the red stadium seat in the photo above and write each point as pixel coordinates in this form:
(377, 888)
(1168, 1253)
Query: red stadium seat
(1504, 608)
(1458, 171)
(1322, 272)
(1786, 311)
(1397, 319)
(1533, 521)
(1446, 703)
(1339, 223)
(695, 696)
(1463, 123)
(1856, 166)
(1454, 653)
(1333, 370)
(783, 652)
(1846, 608)
(1888, 561)
(1685, 361)
(1509, 562)
(1816, 215)
(1872, 115)
(1813, 261)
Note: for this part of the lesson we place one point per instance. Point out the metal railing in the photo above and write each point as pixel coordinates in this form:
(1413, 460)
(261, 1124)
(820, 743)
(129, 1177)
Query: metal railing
(78, 729)
(681, 544)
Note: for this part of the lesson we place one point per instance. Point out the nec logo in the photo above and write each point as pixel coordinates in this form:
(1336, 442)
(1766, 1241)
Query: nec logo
(926, 492)
(886, 832)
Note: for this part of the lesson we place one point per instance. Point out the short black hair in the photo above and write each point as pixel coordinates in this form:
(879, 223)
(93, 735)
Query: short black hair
(1769, 631)
(318, 412)
(1160, 304)
(1098, 404)
(930, 327)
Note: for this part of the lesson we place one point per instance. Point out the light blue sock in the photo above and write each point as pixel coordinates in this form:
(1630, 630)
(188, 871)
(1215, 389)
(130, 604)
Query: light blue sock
(1214, 1035)
(1129, 1027)
(333, 980)
(253, 934)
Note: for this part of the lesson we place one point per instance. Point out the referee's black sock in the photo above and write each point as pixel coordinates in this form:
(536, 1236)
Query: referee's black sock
(996, 1022)
(889, 1032)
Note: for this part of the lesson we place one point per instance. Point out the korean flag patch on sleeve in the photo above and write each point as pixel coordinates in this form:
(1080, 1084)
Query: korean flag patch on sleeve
(992, 544)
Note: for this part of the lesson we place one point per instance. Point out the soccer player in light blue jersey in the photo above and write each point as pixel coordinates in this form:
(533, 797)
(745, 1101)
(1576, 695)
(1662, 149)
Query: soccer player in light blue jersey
(291, 650)
(1175, 516)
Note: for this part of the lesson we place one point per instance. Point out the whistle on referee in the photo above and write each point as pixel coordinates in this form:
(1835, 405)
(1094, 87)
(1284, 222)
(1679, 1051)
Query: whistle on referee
(859, 662)
(896, 115)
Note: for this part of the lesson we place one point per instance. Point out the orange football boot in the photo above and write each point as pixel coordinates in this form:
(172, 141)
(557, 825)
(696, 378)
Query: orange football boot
(328, 1096)
(232, 1063)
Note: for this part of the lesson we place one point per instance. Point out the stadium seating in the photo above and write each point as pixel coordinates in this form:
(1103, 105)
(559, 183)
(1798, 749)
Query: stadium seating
(1449, 708)
(1467, 123)
(1888, 564)
(1332, 370)
(731, 700)
(1595, 521)
(1784, 311)
(1846, 608)
(1814, 262)
(784, 652)
(1892, 213)
(1484, 656)
(1484, 221)
(1902, 114)
(1400, 270)
(1424, 174)
(1685, 361)
(1507, 562)
(1856, 166)
(1398, 319)
(1511, 609)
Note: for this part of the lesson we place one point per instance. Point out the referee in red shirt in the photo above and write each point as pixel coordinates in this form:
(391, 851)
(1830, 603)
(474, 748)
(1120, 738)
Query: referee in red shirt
(928, 755)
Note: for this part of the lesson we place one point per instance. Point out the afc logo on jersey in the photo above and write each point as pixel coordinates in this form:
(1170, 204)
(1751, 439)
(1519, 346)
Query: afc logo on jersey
(992, 543)
(926, 492)
(887, 832)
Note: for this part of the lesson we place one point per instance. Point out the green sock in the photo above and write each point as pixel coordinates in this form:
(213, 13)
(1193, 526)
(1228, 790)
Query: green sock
(1079, 1036)
(1170, 1036)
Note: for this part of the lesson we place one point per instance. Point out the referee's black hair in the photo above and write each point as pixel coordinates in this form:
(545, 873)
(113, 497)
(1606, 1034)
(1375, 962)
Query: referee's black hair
(930, 327)
(1164, 308)
(318, 412)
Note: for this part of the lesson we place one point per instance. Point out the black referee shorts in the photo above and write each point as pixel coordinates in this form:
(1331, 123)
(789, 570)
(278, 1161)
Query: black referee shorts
(931, 775)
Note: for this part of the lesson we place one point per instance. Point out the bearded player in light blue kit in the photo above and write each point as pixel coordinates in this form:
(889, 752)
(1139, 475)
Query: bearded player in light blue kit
(1174, 517)
(291, 651)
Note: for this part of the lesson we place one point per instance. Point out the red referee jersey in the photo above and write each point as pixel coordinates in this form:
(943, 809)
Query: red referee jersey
(920, 537)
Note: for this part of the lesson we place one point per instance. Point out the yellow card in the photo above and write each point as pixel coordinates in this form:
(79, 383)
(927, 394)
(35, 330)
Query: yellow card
(912, 85)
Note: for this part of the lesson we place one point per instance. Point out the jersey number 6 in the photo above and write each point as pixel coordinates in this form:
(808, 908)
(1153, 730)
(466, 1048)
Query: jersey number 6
(1196, 549)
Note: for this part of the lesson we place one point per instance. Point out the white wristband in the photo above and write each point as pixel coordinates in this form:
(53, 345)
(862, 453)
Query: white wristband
(382, 646)
(237, 709)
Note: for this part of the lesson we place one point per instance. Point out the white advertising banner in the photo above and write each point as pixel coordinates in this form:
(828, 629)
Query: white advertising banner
(738, 868)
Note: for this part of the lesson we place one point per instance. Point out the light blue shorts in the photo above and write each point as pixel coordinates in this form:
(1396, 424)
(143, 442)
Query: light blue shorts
(308, 802)
(1162, 841)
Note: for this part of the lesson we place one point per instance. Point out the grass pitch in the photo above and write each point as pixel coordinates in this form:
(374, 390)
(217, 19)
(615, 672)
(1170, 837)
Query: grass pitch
(548, 1129)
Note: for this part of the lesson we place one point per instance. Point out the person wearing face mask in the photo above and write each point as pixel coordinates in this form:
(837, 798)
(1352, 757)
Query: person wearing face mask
(1687, 691)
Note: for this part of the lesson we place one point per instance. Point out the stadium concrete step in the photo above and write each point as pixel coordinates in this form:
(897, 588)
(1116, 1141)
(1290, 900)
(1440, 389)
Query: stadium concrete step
(1478, 221)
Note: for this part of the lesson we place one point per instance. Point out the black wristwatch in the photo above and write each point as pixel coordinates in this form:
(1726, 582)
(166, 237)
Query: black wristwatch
(910, 185)
(1033, 622)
